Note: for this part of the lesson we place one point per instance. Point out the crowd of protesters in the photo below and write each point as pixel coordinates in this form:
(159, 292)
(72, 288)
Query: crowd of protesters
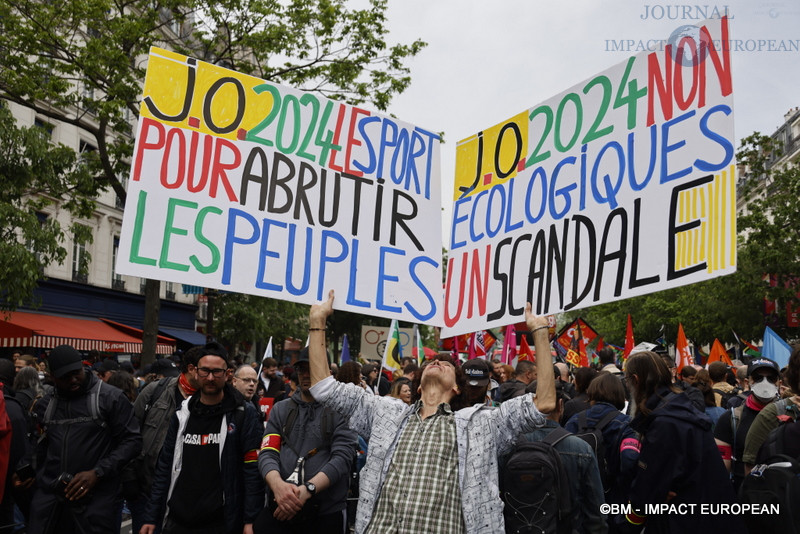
(200, 444)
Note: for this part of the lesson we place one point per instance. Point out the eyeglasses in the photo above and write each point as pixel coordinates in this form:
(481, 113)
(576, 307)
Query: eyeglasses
(771, 378)
(248, 380)
(203, 372)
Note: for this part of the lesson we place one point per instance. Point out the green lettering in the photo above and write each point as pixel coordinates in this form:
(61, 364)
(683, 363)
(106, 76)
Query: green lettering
(198, 233)
(137, 232)
(169, 230)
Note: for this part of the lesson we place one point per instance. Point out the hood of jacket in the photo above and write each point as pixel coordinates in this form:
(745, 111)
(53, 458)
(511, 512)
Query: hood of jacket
(666, 403)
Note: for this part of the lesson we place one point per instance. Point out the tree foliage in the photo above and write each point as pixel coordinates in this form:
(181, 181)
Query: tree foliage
(82, 62)
(769, 244)
(35, 174)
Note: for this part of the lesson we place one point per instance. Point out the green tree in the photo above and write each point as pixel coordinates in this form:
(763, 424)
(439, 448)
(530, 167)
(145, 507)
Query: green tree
(81, 62)
(35, 173)
(769, 243)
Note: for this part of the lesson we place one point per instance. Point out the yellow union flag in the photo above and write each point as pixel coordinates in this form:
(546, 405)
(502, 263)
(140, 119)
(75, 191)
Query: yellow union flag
(393, 353)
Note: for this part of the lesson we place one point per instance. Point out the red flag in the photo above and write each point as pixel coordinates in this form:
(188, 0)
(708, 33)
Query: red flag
(509, 344)
(683, 355)
(599, 346)
(718, 354)
(525, 351)
(629, 343)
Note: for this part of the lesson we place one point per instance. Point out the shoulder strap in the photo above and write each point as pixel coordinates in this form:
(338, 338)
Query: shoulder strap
(582, 421)
(157, 392)
(286, 431)
(555, 436)
(51, 408)
(610, 416)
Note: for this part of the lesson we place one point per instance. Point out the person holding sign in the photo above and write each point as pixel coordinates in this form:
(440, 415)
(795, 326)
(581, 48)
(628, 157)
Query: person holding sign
(417, 477)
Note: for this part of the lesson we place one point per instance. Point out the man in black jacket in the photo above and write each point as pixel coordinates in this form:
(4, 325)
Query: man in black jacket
(207, 474)
(90, 434)
(306, 459)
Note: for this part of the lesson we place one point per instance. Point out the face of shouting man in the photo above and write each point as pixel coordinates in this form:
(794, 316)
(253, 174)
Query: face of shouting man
(245, 380)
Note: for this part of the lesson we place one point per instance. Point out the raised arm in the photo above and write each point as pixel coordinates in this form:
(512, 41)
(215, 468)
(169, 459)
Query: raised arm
(545, 381)
(317, 353)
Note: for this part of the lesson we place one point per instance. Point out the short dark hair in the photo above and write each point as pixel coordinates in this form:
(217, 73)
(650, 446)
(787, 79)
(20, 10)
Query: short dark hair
(607, 356)
(524, 366)
(410, 368)
(214, 348)
(583, 377)
(349, 373)
(607, 387)
(717, 371)
(190, 357)
(269, 362)
(688, 371)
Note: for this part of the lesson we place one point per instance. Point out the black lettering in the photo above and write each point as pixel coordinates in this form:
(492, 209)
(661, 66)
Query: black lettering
(358, 181)
(537, 273)
(520, 309)
(518, 139)
(277, 181)
(240, 104)
(300, 199)
(634, 280)
(191, 63)
(559, 257)
(619, 255)
(323, 188)
(585, 222)
(503, 279)
(249, 176)
(399, 219)
(673, 229)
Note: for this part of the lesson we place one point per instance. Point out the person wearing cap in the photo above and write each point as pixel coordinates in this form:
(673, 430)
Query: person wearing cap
(206, 480)
(89, 435)
(431, 466)
(306, 459)
(784, 410)
(106, 368)
(478, 373)
(763, 376)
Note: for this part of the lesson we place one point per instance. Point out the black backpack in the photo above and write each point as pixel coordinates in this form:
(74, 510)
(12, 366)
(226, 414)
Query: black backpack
(534, 488)
(774, 487)
(726, 396)
(593, 435)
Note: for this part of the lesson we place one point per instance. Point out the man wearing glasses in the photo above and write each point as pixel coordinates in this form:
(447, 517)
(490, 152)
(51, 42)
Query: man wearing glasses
(207, 474)
(732, 427)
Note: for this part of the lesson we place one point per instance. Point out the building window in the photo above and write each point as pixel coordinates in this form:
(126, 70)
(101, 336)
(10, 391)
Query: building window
(80, 261)
(170, 291)
(116, 279)
(46, 126)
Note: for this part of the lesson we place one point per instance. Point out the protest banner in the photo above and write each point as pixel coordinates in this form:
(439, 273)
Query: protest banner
(248, 186)
(374, 340)
(619, 186)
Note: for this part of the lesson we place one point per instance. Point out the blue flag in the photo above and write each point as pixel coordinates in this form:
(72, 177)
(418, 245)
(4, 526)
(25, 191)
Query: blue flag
(345, 350)
(775, 348)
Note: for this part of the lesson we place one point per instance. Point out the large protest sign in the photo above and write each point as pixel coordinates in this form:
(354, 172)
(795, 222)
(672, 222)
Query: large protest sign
(248, 186)
(619, 186)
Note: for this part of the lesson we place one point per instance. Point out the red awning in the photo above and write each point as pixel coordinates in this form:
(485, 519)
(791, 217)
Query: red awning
(24, 329)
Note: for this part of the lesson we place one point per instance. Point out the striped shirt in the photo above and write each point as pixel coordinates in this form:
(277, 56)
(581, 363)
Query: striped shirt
(421, 493)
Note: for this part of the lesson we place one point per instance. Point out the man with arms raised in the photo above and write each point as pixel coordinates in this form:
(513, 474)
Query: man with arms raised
(431, 467)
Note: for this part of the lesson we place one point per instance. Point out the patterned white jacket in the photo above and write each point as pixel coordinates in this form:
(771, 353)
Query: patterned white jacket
(482, 434)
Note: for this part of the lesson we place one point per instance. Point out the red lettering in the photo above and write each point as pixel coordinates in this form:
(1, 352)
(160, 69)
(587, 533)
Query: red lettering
(721, 67)
(677, 82)
(144, 145)
(339, 121)
(655, 80)
(352, 141)
(450, 321)
(219, 168)
(171, 135)
(479, 286)
(195, 186)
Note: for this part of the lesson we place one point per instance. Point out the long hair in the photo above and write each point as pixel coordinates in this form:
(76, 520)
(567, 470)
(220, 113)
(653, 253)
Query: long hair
(652, 373)
(457, 402)
(28, 377)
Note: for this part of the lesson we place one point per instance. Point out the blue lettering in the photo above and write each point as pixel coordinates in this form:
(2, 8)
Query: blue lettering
(509, 225)
(383, 278)
(494, 191)
(325, 259)
(362, 125)
(724, 143)
(412, 271)
(563, 192)
(266, 253)
(231, 240)
(351, 290)
(666, 148)
(472, 235)
(611, 191)
(457, 219)
(305, 264)
(636, 186)
(538, 171)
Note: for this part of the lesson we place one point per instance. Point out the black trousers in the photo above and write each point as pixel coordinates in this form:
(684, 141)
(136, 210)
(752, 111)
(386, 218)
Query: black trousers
(319, 524)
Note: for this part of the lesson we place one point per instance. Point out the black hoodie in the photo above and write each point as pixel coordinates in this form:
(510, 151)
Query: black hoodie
(679, 456)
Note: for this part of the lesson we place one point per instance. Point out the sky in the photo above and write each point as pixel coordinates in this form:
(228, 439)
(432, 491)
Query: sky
(488, 60)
